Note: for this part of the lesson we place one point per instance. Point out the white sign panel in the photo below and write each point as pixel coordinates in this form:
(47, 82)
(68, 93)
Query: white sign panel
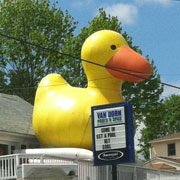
(110, 137)
(109, 126)
(109, 116)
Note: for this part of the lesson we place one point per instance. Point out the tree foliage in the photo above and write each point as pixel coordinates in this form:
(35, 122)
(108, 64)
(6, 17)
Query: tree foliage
(2, 80)
(35, 22)
(172, 114)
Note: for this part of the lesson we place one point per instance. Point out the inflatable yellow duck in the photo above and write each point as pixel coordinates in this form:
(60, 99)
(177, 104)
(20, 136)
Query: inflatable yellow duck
(61, 116)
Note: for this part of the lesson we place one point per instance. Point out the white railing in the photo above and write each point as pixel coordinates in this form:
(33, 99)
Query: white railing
(11, 164)
(7, 167)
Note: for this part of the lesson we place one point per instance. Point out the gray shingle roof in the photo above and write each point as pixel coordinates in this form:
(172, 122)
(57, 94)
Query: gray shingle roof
(15, 114)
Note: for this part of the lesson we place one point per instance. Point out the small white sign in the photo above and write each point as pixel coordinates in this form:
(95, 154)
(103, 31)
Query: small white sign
(109, 116)
(110, 137)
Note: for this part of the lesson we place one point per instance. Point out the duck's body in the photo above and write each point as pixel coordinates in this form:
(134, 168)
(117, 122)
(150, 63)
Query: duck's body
(61, 115)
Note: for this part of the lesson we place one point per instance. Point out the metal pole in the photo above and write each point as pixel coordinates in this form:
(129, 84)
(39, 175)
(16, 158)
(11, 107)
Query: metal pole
(114, 172)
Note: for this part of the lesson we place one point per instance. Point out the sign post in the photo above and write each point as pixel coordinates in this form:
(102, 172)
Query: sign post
(113, 136)
(114, 172)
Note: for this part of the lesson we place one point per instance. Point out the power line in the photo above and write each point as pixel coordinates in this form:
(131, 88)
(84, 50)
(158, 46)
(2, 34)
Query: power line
(170, 85)
(121, 70)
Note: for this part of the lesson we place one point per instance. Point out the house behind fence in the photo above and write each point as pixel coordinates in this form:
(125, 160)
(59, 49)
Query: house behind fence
(15, 124)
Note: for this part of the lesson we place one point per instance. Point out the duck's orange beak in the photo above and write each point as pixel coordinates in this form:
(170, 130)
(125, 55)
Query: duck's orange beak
(128, 65)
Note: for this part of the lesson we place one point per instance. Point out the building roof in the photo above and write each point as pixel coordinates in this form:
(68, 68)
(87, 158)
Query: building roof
(15, 115)
(160, 160)
(177, 160)
(170, 137)
(160, 166)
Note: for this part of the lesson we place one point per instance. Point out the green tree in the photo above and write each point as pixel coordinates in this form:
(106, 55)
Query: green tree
(172, 114)
(35, 22)
(2, 74)
(2, 81)
(153, 128)
(164, 121)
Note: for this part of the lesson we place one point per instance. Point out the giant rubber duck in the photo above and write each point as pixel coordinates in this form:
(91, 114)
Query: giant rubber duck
(62, 113)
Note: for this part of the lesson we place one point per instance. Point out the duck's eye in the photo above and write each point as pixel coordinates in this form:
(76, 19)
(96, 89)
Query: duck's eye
(113, 47)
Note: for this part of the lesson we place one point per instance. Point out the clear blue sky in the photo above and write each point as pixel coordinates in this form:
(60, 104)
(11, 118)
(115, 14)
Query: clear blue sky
(154, 26)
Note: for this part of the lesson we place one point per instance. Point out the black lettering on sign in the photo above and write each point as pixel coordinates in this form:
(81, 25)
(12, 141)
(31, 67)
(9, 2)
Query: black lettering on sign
(105, 130)
(111, 134)
(112, 128)
(106, 146)
(99, 136)
(106, 141)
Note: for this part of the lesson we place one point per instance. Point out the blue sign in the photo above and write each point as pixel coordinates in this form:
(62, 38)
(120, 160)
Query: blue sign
(113, 134)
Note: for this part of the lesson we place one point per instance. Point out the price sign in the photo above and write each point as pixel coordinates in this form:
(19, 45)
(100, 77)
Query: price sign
(112, 129)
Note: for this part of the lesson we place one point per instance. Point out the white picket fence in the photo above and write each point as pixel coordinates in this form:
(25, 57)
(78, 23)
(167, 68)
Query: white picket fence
(15, 166)
(23, 166)
(7, 167)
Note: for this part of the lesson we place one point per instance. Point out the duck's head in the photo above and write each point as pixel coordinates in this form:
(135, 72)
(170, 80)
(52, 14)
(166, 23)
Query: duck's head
(110, 49)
